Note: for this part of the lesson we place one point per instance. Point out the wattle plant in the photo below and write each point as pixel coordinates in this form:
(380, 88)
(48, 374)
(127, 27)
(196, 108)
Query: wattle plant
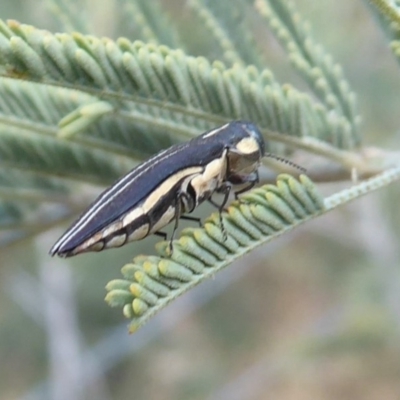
(80, 110)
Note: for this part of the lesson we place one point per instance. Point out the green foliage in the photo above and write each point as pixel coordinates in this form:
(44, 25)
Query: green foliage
(314, 64)
(389, 15)
(230, 29)
(75, 108)
(151, 21)
(262, 215)
(165, 88)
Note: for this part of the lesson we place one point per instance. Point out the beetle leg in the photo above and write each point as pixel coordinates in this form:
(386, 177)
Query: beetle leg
(179, 208)
(225, 189)
(176, 217)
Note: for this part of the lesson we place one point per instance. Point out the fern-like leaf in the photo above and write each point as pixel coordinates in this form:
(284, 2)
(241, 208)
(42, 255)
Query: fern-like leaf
(151, 21)
(159, 87)
(230, 29)
(70, 14)
(152, 282)
(388, 14)
(324, 76)
(76, 108)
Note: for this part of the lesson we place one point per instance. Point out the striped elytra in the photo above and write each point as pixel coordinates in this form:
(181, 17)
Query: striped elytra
(167, 186)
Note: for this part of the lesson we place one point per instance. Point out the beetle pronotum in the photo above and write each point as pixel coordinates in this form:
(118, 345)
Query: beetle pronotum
(168, 186)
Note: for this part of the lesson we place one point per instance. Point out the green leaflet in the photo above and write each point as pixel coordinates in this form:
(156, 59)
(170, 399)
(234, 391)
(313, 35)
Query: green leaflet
(152, 282)
(152, 22)
(48, 156)
(71, 14)
(230, 29)
(314, 64)
(164, 89)
(54, 111)
(388, 14)
(389, 10)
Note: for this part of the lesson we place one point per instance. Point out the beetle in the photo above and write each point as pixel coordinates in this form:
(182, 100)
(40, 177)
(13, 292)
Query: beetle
(168, 186)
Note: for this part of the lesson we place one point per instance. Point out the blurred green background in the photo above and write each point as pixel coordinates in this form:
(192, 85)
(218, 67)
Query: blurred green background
(314, 315)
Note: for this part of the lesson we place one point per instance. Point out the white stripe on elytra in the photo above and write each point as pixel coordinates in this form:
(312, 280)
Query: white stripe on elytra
(99, 205)
(214, 131)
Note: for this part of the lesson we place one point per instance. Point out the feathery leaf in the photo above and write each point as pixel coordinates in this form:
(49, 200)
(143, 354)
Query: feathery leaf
(150, 283)
(151, 21)
(230, 29)
(388, 14)
(160, 87)
(317, 67)
(257, 218)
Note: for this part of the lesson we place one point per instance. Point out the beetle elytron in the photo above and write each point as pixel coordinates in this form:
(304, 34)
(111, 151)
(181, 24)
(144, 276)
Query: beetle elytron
(166, 187)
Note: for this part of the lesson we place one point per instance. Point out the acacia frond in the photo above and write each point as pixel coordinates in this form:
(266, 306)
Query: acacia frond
(230, 30)
(21, 185)
(263, 214)
(48, 156)
(151, 20)
(37, 167)
(316, 66)
(70, 14)
(166, 89)
(389, 17)
(111, 99)
(389, 10)
(63, 113)
(152, 282)
(86, 110)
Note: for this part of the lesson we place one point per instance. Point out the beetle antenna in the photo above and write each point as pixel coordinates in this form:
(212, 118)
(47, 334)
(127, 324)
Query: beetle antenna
(286, 161)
